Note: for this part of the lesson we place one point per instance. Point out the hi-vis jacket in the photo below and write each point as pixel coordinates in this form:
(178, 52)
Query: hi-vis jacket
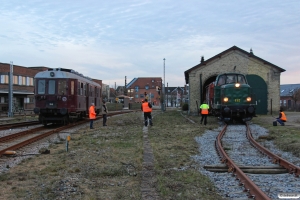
(282, 116)
(92, 113)
(204, 109)
(146, 107)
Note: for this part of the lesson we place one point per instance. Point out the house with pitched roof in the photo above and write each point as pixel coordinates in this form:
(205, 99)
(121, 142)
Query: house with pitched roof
(290, 97)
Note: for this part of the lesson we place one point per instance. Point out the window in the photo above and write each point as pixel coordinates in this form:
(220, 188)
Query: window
(62, 87)
(78, 88)
(84, 90)
(23, 80)
(136, 88)
(81, 89)
(241, 79)
(280, 102)
(27, 81)
(151, 95)
(51, 87)
(142, 96)
(147, 87)
(2, 100)
(41, 86)
(20, 80)
(4, 79)
(30, 81)
(136, 96)
(15, 79)
(72, 87)
(284, 102)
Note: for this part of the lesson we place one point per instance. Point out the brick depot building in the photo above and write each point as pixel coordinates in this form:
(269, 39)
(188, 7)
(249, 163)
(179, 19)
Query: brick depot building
(262, 76)
(138, 86)
(23, 87)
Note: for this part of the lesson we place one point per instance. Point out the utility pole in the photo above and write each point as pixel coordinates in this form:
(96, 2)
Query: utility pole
(163, 90)
(10, 93)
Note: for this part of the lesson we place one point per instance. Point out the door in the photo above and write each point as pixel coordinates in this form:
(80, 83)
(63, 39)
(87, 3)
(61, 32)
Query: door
(260, 90)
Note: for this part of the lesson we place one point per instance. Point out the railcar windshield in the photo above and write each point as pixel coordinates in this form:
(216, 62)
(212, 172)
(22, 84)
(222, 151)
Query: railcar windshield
(41, 86)
(51, 87)
(62, 87)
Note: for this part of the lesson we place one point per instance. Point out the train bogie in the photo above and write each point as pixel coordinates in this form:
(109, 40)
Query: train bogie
(63, 95)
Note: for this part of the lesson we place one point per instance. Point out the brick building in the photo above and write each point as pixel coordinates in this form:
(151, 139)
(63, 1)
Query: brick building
(263, 77)
(138, 86)
(290, 97)
(23, 87)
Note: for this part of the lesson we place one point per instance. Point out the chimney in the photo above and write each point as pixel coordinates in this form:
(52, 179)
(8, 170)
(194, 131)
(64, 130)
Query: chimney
(202, 59)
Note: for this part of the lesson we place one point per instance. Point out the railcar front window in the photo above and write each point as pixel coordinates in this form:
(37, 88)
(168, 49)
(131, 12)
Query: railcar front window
(41, 87)
(51, 87)
(62, 87)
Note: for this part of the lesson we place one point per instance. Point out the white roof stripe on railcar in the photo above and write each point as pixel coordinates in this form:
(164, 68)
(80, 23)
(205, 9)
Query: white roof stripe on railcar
(63, 74)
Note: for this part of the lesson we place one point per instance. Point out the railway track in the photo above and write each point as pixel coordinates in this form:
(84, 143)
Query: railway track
(18, 140)
(255, 186)
(17, 125)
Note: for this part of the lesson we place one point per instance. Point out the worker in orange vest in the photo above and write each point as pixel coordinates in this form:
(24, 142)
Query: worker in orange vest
(92, 115)
(147, 109)
(282, 118)
(204, 112)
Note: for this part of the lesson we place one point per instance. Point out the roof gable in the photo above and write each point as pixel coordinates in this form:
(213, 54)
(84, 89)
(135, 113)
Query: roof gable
(234, 48)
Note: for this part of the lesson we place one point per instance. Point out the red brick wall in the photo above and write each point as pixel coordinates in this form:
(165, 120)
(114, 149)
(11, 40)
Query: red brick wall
(152, 82)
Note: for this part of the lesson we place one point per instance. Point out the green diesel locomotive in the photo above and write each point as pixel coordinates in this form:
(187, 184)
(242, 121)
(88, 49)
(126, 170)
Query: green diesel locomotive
(230, 98)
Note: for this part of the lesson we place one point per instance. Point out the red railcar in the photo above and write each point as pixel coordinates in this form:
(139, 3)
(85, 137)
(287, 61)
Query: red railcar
(62, 95)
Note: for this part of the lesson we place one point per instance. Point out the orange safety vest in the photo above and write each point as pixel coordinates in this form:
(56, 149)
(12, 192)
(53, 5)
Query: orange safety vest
(283, 117)
(92, 113)
(204, 109)
(146, 107)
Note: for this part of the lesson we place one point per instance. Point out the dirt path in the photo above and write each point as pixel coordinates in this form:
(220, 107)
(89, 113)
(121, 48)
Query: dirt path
(148, 174)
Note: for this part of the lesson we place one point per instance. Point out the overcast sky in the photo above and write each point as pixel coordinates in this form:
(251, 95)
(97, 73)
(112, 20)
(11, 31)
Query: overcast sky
(111, 39)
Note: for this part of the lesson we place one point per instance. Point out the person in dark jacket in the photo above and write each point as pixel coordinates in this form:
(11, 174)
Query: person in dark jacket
(104, 113)
(147, 109)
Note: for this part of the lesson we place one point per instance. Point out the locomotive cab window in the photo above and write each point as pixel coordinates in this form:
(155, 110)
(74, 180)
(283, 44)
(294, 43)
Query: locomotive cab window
(51, 87)
(62, 87)
(231, 79)
(41, 87)
(221, 80)
(241, 79)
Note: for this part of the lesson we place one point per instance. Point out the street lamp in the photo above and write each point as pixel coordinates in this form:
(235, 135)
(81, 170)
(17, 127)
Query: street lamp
(163, 90)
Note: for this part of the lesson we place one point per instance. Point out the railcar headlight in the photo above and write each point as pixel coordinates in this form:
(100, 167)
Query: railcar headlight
(237, 85)
(248, 99)
(225, 99)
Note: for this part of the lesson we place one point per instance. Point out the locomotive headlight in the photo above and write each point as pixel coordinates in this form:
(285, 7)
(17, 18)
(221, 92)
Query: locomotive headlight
(248, 99)
(225, 99)
(237, 85)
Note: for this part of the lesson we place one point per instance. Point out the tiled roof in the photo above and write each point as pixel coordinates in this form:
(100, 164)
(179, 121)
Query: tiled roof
(288, 89)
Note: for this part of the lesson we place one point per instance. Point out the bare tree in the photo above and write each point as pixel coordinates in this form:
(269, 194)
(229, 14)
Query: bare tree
(296, 97)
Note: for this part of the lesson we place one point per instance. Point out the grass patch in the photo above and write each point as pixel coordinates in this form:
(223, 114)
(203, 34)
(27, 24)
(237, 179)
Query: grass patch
(106, 162)
(286, 138)
(173, 141)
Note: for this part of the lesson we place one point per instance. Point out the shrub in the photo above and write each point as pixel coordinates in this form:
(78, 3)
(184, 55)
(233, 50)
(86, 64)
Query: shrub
(185, 106)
